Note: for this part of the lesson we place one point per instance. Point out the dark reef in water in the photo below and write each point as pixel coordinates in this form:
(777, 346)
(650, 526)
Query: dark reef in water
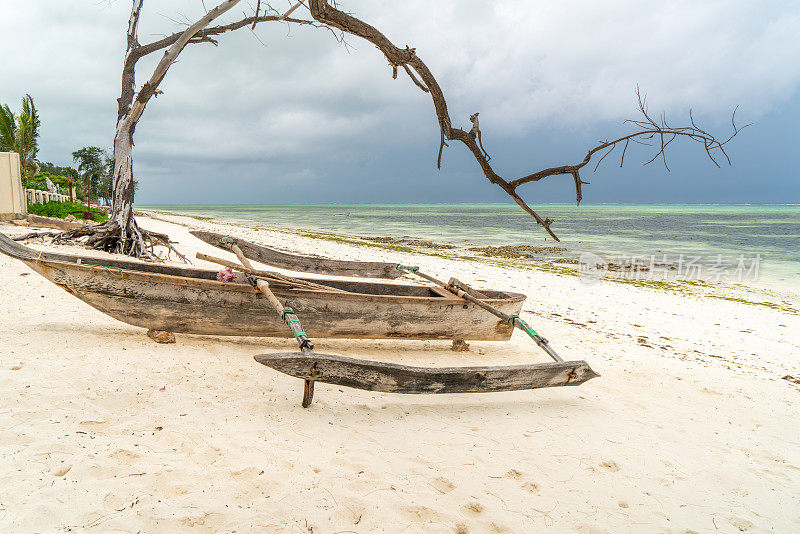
(408, 241)
(515, 251)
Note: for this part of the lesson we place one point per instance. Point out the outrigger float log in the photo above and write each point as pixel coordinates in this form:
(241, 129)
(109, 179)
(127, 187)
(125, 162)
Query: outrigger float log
(394, 378)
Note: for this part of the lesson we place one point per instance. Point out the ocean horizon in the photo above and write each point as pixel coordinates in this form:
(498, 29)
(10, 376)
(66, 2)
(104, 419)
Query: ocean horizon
(713, 237)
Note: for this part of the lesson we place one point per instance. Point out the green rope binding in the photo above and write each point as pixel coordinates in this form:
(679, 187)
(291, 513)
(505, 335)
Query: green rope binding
(411, 268)
(289, 317)
(299, 333)
(514, 320)
(116, 271)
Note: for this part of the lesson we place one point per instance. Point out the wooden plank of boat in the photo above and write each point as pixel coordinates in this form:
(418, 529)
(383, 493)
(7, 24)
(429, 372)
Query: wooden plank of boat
(395, 378)
(189, 300)
(306, 264)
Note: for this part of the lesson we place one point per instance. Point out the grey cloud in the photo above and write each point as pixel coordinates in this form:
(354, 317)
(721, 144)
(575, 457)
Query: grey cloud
(299, 105)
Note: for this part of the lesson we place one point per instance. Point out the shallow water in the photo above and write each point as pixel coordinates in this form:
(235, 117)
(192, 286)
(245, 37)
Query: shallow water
(724, 242)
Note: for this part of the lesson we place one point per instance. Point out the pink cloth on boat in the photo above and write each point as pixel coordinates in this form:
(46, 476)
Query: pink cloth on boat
(225, 275)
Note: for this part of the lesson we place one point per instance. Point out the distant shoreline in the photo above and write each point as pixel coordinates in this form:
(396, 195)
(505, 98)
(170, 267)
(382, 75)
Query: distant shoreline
(618, 234)
(548, 258)
(544, 204)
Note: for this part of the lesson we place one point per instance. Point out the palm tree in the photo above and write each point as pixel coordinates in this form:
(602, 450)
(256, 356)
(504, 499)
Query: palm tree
(91, 162)
(20, 134)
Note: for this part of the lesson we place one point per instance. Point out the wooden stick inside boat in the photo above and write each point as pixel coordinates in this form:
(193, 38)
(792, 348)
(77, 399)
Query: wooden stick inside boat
(462, 290)
(269, 275)
(291, 320)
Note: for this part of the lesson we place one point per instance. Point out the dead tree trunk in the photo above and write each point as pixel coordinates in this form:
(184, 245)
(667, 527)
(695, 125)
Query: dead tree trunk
(121, 217)
(121, 233)
(121, 221)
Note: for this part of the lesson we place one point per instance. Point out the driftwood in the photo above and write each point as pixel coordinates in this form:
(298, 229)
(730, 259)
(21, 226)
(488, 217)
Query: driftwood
(306, 264)
(396, 378)
(53, 222)
(35, 235)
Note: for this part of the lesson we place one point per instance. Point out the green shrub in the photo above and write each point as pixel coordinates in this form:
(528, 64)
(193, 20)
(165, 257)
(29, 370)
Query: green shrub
(62, 182)
(39, 181)
(62, 209)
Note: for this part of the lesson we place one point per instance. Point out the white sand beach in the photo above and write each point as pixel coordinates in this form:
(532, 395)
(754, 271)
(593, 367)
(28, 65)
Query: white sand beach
(690, 428)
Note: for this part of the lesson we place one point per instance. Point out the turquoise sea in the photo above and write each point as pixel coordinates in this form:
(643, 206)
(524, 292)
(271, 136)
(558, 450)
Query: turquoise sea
(718, 238)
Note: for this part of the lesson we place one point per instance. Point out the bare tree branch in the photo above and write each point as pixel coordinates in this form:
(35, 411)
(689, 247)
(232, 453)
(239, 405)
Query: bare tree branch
(150, 87)
(648, 128)
(128, 79)
(204, 34)
(258, 10)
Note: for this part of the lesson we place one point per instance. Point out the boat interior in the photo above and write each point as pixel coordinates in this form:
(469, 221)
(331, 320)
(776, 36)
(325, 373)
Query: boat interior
(19, 251)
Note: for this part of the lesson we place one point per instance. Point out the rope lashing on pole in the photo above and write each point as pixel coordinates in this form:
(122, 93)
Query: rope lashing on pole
(458, 288)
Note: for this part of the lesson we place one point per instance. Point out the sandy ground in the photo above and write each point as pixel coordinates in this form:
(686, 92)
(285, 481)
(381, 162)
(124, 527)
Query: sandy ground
(691, 427)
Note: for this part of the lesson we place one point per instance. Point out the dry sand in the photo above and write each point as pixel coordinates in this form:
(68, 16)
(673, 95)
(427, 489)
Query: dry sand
(690, 428)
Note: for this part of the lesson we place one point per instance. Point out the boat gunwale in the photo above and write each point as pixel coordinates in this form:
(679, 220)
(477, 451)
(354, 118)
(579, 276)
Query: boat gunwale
(167, 279)
(31, 256)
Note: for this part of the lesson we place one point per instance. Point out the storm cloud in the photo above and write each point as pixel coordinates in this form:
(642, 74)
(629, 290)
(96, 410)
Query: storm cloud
(287, 114)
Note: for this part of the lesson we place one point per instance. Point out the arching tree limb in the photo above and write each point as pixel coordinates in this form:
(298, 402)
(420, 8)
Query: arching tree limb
(121, 233)
(206, 34)
(648, 129)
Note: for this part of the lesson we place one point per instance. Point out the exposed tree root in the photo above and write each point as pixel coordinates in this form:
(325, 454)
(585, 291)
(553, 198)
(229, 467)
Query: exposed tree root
(109, 237)
(34, 235)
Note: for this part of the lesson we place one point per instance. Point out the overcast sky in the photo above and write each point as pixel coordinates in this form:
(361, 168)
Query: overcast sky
(287, 114)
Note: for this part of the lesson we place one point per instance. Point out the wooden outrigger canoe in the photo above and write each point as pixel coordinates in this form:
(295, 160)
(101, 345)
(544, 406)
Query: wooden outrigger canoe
(395, 378)
(190, 300)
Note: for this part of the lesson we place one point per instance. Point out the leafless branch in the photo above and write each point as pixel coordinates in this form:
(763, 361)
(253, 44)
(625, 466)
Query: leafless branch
(205, 34)
(258, 10)
(648, 128)
(194, 31)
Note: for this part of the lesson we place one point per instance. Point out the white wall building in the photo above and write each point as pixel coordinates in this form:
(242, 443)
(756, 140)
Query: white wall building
(13, 203)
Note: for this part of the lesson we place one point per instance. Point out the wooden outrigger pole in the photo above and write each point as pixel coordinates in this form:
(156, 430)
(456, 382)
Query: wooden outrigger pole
(462, 290)
(395, 378)
(289, 317)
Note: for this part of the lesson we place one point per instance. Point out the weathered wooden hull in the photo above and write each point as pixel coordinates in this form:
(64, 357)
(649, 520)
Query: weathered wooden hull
(187, 300)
